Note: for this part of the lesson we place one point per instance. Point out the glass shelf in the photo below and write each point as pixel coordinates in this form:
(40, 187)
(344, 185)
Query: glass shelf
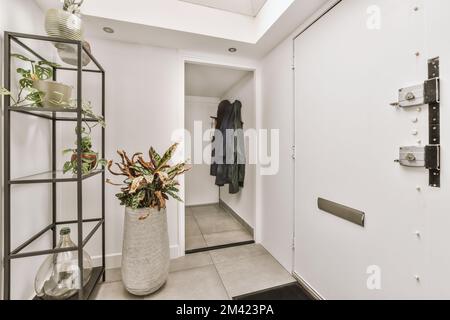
(53, 176)
(17, 253)
(58, 114)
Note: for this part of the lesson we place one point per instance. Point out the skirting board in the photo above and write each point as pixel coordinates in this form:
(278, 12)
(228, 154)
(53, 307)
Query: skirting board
(237, 217)
(201, 205)
(308, 288)
(114, 260)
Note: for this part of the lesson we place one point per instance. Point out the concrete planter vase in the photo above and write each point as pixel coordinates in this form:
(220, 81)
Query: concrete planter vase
(145, 255)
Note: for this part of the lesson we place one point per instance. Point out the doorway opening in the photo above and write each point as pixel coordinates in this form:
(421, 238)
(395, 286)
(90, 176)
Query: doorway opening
(216, 214)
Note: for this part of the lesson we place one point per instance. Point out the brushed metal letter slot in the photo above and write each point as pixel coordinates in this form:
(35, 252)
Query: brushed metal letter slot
(343, 212)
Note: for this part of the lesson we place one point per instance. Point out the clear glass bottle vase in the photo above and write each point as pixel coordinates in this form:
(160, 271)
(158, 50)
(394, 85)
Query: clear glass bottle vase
(58, 278)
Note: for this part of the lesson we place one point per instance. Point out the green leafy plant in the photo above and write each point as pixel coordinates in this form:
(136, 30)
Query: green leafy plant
(89, 158)
(148, 184)
(39, 70)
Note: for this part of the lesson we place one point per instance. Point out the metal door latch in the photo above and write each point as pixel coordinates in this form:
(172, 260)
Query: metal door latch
(425, 157)
(425, 93)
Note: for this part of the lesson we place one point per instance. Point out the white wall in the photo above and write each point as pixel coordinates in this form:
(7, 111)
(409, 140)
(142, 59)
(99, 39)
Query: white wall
(141, 111)
(200, 186)
(243, 203)
(30, 205)
(277, 191)
(277, 199)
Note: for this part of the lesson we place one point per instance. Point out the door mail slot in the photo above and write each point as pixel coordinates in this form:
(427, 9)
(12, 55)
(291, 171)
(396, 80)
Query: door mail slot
(341, 211)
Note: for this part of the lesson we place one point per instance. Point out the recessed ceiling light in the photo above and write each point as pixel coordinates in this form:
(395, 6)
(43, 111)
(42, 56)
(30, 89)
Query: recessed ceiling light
(232, 50)
(108, 30)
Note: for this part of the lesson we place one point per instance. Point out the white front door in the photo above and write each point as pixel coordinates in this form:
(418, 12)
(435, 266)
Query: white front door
(348, 69)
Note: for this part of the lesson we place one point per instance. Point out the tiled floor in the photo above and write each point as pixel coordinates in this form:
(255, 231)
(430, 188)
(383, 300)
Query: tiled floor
(215, 275)
(210, 226)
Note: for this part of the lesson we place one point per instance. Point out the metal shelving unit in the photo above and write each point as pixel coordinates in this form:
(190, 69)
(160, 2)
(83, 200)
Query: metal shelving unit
(54, 176)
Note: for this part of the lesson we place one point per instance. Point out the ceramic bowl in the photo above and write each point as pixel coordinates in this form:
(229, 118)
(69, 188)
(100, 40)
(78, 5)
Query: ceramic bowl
(56, 95)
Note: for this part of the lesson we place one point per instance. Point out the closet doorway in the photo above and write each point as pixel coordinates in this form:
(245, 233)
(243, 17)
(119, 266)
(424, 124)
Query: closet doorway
(216, 216)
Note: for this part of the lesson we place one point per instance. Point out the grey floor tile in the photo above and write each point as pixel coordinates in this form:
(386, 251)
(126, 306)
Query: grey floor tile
(188, 211)
(190, 261)
(218, 223)
(113, 291)
(210, 209)
(113, 275)
(193, 284)
(195, 242)
(221, 238)
(252, 274)
(237, 253)
(191, 227)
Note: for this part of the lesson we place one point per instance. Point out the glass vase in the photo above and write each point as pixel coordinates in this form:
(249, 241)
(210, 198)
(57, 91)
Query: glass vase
(58, 278)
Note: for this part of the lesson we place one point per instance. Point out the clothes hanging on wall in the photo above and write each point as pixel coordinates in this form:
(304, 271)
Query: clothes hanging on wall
(228, 147)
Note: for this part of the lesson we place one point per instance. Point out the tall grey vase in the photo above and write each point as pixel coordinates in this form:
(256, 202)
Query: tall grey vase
(145, 254)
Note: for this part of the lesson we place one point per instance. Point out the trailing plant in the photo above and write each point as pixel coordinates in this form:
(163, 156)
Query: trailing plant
(39, 70)
(148, 184)
(88, 113)
(89, 158)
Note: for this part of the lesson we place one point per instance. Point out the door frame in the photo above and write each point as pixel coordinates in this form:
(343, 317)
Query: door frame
(323, 11)
(226, 62)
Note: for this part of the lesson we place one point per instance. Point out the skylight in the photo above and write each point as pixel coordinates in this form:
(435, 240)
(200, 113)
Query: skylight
(244, 7)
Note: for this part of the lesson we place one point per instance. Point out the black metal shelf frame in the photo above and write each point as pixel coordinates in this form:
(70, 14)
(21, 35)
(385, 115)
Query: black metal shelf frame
(52, 177)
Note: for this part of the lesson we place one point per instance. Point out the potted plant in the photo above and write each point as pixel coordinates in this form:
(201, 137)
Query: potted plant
(144, 193)
(89, 158)
(36, 80)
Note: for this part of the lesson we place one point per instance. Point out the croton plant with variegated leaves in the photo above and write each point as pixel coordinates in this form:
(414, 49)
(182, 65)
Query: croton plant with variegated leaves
(148, 184)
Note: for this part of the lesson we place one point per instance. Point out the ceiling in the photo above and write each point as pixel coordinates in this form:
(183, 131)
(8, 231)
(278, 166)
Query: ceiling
(210, 81)
(246, 7)
(201, 28)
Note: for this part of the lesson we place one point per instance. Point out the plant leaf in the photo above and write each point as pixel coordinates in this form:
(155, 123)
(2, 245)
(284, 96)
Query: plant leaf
(174, 195)
(149, 179)
(26, 83)
(67, 166)
(22, 57)
(135, 184)
(48, 63)
(167, 156)
(155, 158)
